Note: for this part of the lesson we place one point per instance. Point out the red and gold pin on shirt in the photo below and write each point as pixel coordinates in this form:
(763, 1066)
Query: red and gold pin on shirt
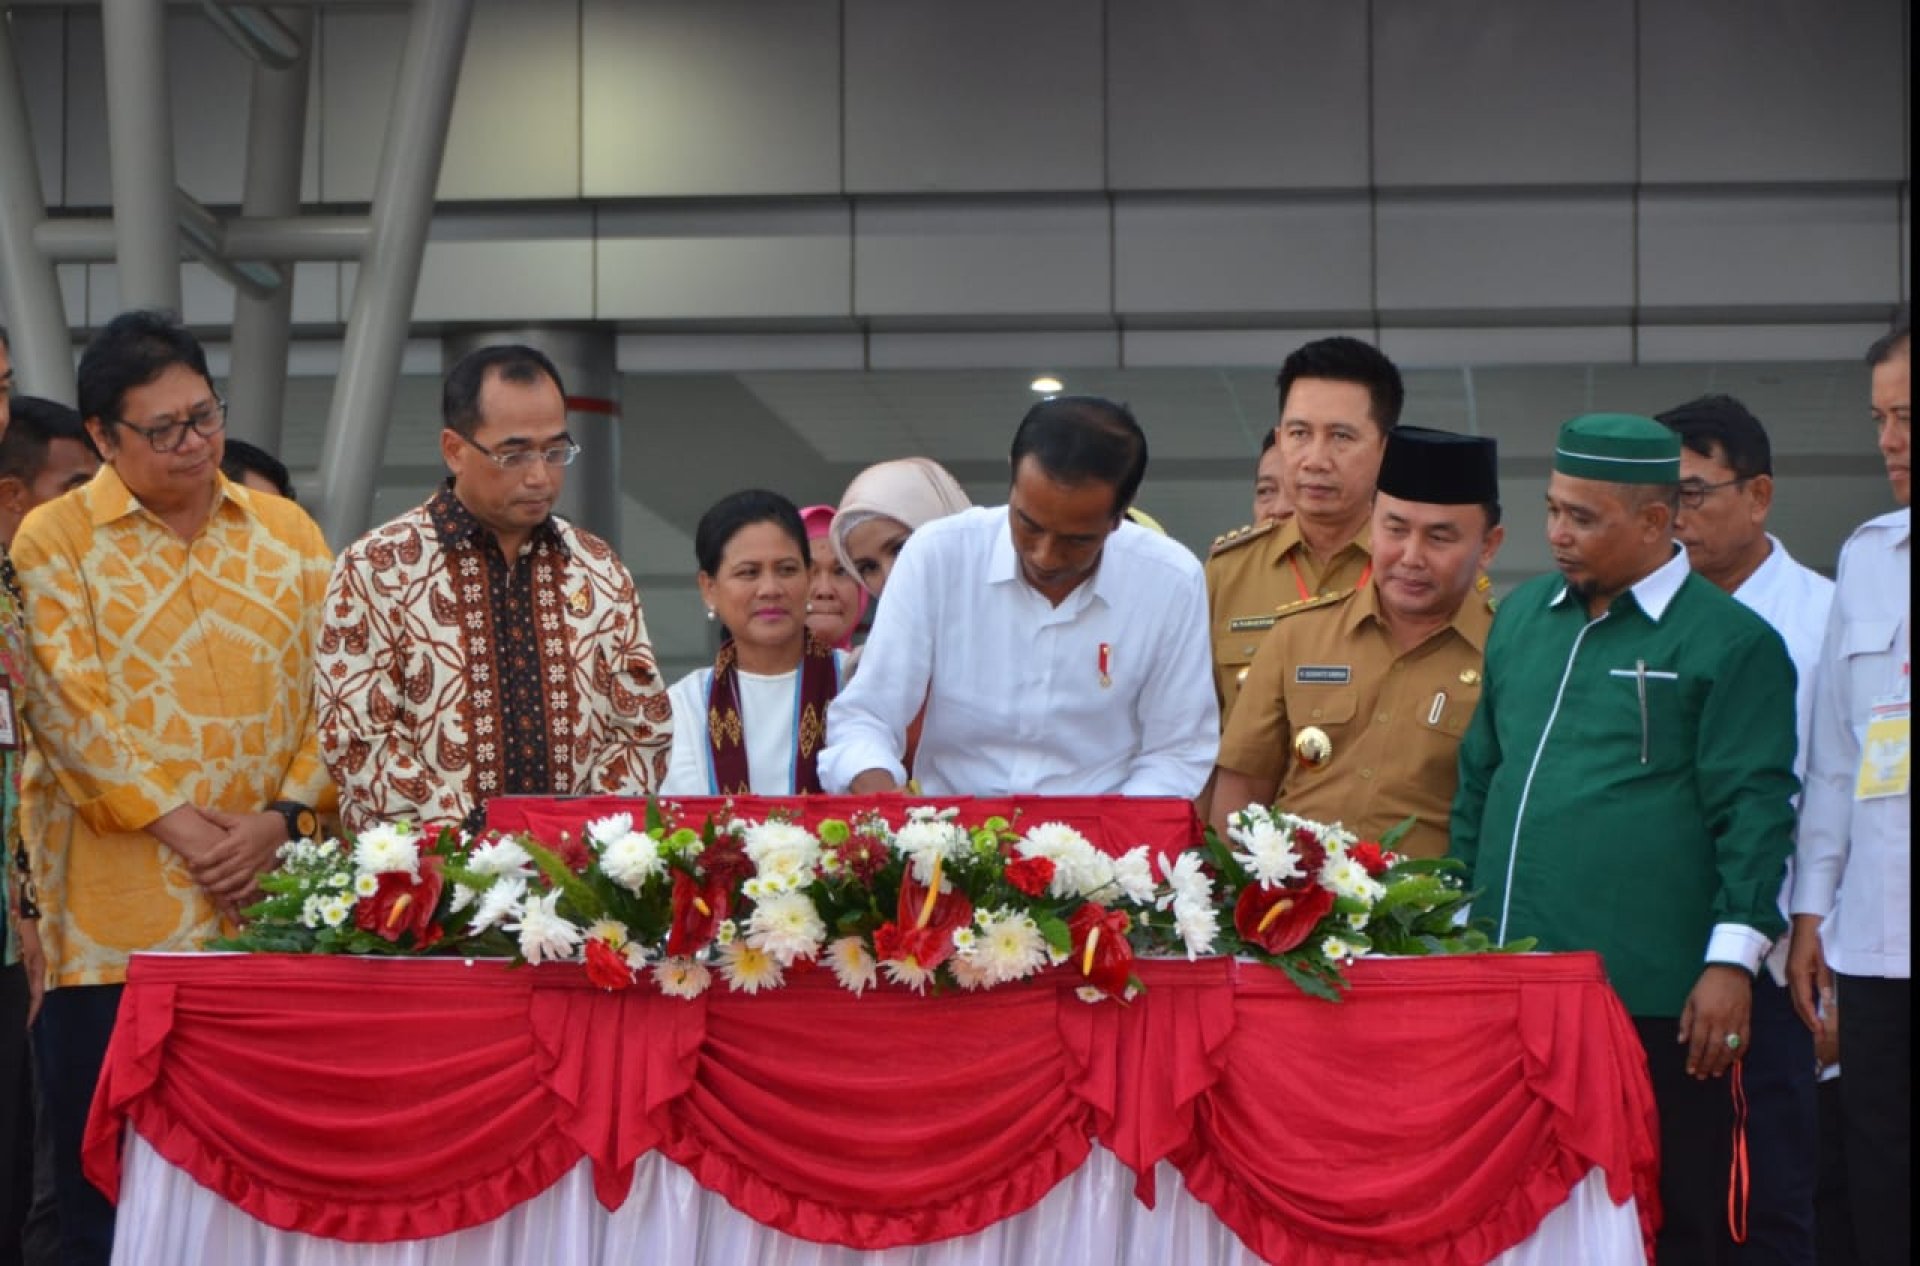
(1106, 665)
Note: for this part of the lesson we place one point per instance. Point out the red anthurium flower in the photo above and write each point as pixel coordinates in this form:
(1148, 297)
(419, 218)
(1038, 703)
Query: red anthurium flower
(403, 903)
(699, 906)
(927, 920)
(1372, 858)
(606, 966)
(1030, 875)
(1100, 949)
(1278, 919)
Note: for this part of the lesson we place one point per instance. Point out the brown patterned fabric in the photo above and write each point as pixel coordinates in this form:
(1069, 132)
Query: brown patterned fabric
(727, 735)
(447, 676)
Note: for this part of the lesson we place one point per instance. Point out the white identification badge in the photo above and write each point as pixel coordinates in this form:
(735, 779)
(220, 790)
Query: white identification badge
(1886, 756)
(9, 718)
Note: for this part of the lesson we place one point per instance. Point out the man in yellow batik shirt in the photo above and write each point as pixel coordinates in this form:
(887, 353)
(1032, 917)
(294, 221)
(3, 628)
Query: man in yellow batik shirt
(171, 618)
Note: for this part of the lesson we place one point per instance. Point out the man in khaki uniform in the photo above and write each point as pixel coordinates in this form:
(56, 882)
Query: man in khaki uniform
(1355, 705)
(1339, 398)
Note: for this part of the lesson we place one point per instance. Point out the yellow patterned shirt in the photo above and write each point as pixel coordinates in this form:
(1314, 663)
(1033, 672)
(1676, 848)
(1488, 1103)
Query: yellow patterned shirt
(161, 672)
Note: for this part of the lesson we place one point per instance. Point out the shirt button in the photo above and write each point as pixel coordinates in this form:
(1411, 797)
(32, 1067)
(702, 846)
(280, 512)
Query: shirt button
(1381, 718)
(1366, 773)
(1395, 668)
(1316, 713)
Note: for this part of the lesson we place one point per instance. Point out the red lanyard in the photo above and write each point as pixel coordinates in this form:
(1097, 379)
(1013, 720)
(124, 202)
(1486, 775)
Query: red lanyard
(1293, 561)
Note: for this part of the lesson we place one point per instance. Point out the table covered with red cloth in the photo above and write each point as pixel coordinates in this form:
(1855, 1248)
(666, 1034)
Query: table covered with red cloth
(1435, 1116)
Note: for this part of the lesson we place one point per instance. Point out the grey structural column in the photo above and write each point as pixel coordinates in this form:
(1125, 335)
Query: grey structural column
(29, 292)
(584, 355)
(140, 153)
(389, 272)
(276, 139)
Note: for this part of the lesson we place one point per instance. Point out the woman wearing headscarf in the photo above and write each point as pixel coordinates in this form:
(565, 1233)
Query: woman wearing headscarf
(882, 507)
(835, 600)
(754, 722)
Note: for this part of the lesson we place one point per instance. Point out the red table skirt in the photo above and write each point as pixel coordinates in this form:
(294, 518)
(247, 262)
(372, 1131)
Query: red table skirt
(1435, 1116)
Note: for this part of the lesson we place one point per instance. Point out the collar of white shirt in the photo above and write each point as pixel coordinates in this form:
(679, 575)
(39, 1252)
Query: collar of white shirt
(1654, 590)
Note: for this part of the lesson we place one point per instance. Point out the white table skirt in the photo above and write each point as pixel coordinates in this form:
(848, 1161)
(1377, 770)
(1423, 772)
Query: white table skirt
(1091, 1218)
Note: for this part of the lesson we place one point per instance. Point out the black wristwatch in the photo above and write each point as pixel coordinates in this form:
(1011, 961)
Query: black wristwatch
(302, 822)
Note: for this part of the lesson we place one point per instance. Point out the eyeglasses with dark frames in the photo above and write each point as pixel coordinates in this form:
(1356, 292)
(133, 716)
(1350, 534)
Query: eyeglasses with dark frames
(560, 454)
(208, 419)
(1693, 492)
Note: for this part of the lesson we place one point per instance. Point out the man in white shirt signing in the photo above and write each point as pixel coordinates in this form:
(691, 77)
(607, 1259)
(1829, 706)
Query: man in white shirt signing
(1050, 646)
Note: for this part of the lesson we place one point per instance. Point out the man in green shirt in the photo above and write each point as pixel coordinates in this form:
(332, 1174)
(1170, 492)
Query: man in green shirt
(1626, 786)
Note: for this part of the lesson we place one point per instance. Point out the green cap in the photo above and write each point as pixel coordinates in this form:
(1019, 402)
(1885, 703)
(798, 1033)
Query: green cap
(1618, 448)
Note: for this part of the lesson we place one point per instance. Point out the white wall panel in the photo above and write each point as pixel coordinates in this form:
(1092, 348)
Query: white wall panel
(84, 103)
(727, 97)
(316, 294)
(1453, 252)
(1264, 348)
(73, 294)
(663, 353)
(986, 96)
(698, 261)
(502, 268)
(1236, 94)
(1413, 348)
(1753, 90)
(39, 39)
(515, 130)
(1761, 343)
(1199, 254)
(359, 64)
(1709, 249)
(1490, 92)
(987, 256)
(1040, 351)
(210, 81)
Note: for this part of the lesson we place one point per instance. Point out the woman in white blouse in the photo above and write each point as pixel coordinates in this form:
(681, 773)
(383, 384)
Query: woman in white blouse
(755, 721)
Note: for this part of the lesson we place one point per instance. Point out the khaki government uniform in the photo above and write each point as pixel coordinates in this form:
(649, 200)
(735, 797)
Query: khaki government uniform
(1395, 721)
(1251, 578)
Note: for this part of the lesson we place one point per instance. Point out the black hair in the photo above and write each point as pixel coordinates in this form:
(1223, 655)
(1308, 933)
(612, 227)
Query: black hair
(1719, 421)
(512, 362)
(1492, 509)
(1889, 345)
(242, 458)
(36, 424)
(1272, 438)
(724, 519)
(131, 351)
(1343, 359)
(1085, 439)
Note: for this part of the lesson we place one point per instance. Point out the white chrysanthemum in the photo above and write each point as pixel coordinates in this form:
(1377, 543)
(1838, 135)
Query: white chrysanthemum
(1134, 873)
(1055, 957)
(968, 974)
(725, 931)
(1010, 947)
(310, 912)
(462, 897)
(1186, 880)
(964, 940)
(1336, 949)
(1198, 926)
(612, 931)
(787, 927)
(1348, 878)
(907, 972)
(923, 839)
(1358, 922)
(637, 955)
(783, 855)
(749, 970)
(502, 855)
(498, 903)
(1242, 822)
(386, 849)
(340, 879)
(632, 859)
(1088, 994)
(544, 935)
(1079, 869)
(1270, 856)
(603, 831)
(682, 977)
(852, 964)
(334, 911)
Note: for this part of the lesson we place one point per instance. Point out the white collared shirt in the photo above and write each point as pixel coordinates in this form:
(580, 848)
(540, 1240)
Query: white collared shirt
(1012, 684)
(1854, 863)
(1795, 601)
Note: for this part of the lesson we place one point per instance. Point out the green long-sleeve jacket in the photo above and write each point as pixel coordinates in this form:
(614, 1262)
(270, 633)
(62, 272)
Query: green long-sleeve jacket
(1593, 820)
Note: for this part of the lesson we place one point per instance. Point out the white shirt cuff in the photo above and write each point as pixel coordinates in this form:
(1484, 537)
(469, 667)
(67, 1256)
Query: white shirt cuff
(1736, 943)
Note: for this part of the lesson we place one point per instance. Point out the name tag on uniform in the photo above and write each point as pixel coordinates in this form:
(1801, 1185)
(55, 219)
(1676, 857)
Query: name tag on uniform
(1322, 674)
(1885, 756)
(9, 719)
(1251, 623)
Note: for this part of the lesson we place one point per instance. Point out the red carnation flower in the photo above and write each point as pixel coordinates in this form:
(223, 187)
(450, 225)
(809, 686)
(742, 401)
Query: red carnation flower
(725, 860)
(1371, 857)
(862, 857)
(1313, 854)
(607, 967)
(1030, 875)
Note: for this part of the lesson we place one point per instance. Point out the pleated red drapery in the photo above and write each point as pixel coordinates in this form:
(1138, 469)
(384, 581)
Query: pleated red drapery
(1436, 1116)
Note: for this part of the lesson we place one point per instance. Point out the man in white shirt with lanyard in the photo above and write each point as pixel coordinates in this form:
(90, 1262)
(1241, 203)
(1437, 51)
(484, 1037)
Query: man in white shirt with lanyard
(1726, 492)
(1852, 906)
(1053, 647)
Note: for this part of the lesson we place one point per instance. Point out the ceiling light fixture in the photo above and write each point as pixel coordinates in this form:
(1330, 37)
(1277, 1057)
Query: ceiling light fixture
(1047, 386)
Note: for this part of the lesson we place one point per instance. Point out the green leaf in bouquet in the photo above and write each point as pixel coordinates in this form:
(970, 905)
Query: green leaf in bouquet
(1415, 892)
(1232, 874)
(1426, 866)
(1315, 979)
(574, 891)
(1391, 837)
(1055, 929)
(656, 820)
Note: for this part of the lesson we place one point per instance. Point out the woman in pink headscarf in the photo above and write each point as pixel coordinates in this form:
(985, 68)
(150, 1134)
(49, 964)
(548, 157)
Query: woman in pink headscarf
(835, 600)
(882, 507)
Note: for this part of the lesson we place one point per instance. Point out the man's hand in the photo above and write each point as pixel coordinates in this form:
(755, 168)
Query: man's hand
(872, 782)
(187, 831)
(33, 960)
(1809, 982)
(1721, 1005)
(244, 853)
